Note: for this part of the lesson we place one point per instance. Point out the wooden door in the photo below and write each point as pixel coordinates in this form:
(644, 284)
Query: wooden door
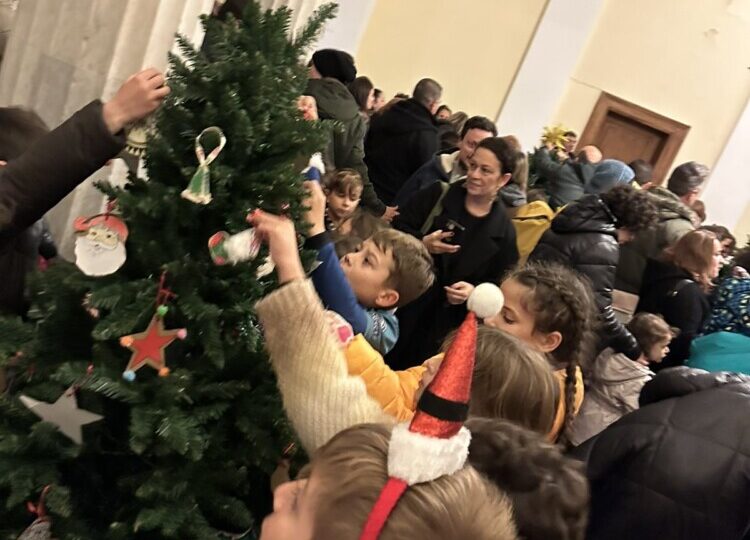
(625, 131)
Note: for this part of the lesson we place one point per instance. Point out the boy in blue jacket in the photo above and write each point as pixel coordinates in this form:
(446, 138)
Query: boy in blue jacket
(390, 270)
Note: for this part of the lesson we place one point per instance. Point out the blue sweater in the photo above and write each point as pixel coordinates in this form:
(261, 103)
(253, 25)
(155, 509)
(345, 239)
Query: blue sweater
(378, 326)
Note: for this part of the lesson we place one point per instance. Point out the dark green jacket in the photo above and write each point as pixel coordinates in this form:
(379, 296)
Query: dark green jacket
(565, 181)
(674, 221)
(346, 149)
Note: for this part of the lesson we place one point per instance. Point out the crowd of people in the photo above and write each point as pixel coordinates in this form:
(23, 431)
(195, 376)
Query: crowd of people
(578, 429)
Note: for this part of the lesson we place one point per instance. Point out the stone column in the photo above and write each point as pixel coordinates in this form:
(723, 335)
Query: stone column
(727, 195)
(552, 55)
(63, 53)
(346, 30)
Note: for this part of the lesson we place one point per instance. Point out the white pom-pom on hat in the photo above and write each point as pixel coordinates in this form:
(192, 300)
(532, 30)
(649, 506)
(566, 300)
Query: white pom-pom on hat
(486, 300)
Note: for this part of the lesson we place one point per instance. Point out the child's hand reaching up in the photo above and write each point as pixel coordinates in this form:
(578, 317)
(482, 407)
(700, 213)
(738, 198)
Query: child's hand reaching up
(316, 202)
(281, 237)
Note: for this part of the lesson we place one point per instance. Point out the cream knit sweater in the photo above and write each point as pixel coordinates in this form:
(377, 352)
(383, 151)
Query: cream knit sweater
(320, 397)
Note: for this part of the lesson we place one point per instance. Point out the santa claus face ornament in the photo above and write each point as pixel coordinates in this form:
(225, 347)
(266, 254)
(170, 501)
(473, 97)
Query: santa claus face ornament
(100, 244)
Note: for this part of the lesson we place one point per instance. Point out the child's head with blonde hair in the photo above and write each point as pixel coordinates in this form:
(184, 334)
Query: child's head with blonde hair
(345, 479)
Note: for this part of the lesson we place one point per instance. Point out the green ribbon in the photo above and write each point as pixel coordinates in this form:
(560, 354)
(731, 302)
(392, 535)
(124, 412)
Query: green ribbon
(199, 188)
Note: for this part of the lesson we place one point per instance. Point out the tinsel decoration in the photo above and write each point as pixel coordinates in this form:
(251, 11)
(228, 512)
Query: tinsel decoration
(555, 135)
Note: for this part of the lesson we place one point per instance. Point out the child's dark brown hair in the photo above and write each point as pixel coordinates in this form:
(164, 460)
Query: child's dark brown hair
(561, 302)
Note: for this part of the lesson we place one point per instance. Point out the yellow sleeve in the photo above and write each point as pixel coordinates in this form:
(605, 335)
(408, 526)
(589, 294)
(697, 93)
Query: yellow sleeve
(577, 402)
(394, 390)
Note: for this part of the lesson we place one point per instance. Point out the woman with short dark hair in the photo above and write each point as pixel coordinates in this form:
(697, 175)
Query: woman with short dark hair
(471, 238)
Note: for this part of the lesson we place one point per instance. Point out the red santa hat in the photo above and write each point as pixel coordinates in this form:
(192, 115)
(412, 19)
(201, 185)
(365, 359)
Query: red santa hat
(435, 443)
(109, 221)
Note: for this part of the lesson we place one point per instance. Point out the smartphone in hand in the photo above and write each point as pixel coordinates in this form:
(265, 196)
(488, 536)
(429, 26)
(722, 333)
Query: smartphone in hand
(458, 231)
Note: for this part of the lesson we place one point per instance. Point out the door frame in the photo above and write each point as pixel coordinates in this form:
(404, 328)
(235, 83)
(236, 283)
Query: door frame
(674, 130)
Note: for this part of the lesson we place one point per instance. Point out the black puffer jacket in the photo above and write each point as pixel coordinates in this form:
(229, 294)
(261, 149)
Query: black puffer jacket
(399, 142)
(583, 237)
(677, 468)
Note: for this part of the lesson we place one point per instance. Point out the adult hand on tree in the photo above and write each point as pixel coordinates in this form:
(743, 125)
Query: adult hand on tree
(138, 97)
(434, 242)
(316, 204)
(459, 292)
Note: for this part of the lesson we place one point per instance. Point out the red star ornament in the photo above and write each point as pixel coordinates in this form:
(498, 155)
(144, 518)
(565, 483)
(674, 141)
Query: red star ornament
(148, 346)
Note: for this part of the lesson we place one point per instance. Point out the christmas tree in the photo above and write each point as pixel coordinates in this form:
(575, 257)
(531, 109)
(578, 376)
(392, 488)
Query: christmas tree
(184, 450)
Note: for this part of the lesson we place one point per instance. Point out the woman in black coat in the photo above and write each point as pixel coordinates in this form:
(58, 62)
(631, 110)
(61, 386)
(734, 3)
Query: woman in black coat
(677, 289)
(678, 468)
(465, 228)
(586, 236)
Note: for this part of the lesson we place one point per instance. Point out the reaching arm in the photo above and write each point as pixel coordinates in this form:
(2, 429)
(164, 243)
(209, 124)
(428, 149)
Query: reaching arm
(333, 287)
(545, 165)
(37, 180)
(52, 167)
(320, 397)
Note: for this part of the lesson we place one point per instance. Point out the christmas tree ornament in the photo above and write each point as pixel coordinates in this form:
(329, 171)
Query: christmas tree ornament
(435, 443)
(63, 414)
(555, 136)
(148, 347)
(100, 243)
(136, 140)
(199, 188)
(232, 249)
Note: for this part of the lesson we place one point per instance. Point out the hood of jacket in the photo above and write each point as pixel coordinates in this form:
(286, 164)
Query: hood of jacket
(512, 195)
(588, 214)
(657, 271)
(613, 368)
(681, 381)
(670, 206)
(333, 99)
(404, 117)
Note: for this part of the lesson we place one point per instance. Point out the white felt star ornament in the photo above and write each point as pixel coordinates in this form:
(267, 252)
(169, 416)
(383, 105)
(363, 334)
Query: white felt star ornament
(63, 413)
